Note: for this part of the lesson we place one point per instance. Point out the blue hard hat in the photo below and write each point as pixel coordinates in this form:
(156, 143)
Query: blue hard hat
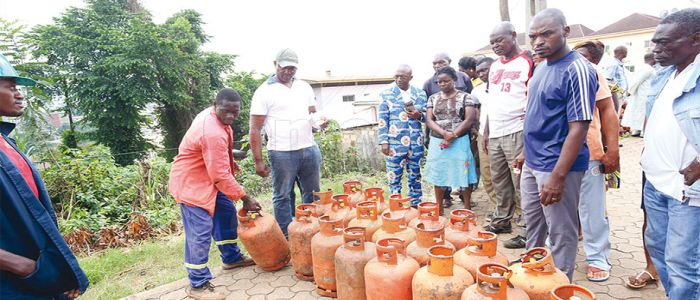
(7, 71)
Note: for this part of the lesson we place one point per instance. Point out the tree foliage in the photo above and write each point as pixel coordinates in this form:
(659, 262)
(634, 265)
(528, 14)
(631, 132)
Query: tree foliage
(114, 61)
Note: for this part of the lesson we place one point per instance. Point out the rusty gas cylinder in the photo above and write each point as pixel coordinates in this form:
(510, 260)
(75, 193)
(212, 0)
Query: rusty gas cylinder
(572, 292)
(480, 250)
(350, 261)
(263, 238)
(429, 214)
(301, 230)
(426, 237)
(341, 209)
(388, 276)
(353, 188)
(462, 224)
(537, 275)
(441, 278)
(402, 206)
(376, 194)
(394, 226)
(324, 202)
(323, 247)
(367, 218)
(492, 283)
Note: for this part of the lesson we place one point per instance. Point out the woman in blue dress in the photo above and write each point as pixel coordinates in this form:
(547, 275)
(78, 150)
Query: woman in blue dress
(450, 114)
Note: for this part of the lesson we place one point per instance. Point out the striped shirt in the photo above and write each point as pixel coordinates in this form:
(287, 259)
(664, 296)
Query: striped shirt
(559, 92)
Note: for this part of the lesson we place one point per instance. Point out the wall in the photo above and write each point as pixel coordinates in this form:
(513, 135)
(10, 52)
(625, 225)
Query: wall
(330, 103)
(364, 139)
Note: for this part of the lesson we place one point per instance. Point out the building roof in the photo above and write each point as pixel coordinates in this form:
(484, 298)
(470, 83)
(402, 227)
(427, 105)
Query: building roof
(632, 22)
(577, 30)
(329, 81)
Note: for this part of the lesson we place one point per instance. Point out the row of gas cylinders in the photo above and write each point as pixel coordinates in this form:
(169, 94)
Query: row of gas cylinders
(342, 244)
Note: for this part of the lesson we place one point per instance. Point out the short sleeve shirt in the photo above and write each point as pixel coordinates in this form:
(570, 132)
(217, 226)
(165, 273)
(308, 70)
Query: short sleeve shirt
(449, 112)
(560, 92)
(288, 123)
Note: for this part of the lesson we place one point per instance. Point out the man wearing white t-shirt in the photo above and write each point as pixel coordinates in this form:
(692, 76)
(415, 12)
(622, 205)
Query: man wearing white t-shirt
(670, 158)
(503, 134)
(284, 105)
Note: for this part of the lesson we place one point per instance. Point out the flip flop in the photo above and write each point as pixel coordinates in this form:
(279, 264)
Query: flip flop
(638, 278)
(592, 271)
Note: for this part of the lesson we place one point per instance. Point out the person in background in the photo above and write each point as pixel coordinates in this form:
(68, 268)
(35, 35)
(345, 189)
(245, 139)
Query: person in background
(462, 83)
(616, 74)
(401, 133)
(561, 97)
(450, 114)
(480, 95)
(637, 95)
(467, 65)
(671, 156)
(503, 132)
(202, 181)
(602, 140)
(286, 106)
(35, 261)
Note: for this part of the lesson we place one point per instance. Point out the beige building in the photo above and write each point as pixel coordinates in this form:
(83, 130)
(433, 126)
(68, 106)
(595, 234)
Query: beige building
(634, 32)
(350, 100)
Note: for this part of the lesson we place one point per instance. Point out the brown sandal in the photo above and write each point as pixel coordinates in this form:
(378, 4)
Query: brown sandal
(637, 282)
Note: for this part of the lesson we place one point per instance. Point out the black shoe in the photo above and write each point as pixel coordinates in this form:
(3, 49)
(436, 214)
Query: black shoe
(447, 203)
(498, 230)
(517, 242)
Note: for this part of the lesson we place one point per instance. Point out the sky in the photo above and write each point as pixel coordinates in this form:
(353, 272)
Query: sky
(351, 38)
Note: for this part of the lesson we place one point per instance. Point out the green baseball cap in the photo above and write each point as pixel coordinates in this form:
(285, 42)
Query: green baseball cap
(287, 57)
(7, 71)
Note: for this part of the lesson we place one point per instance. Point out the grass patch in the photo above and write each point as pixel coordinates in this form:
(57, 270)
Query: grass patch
(117, 273)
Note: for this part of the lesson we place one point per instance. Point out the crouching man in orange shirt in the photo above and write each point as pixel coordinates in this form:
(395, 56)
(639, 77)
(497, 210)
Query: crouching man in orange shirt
(202, 181)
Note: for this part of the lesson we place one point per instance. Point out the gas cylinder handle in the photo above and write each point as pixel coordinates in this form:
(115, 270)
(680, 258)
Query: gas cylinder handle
(367, 210)
(492, 280)
(398, 203)
(352, 186)
(428, 211)
(340, 200)
(304, 212)
(388, 250)
(539, 260)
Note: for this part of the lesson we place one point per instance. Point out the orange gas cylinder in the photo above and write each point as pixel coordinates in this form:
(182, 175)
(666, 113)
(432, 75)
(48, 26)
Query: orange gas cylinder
(394, 226)
(426, 237)
(571, 292)
(353, 188)
(376, 194)
(429, 214)
(492, 283)
(537, 275)
(402, 206)
(263, 238)
(323, 247)
(367, 218)
(480, 250)
(300, 231)
(388, 276)
(440, 279)
(462, 225)
(341, 209)
(323, 203)
(350, 261)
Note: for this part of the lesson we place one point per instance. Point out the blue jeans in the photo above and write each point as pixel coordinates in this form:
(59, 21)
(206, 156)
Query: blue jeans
(673, 242)
(304, 164)
(200, 227)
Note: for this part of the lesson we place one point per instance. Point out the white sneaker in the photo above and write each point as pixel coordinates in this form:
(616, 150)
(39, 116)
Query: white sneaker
(206, 292)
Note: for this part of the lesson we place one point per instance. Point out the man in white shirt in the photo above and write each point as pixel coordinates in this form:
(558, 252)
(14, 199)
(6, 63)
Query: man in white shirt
(503, 134)
(670, 158)
(284, 105)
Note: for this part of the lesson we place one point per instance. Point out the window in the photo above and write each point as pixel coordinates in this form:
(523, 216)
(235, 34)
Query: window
(648, 44)
(348, 98)
(630, 68)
